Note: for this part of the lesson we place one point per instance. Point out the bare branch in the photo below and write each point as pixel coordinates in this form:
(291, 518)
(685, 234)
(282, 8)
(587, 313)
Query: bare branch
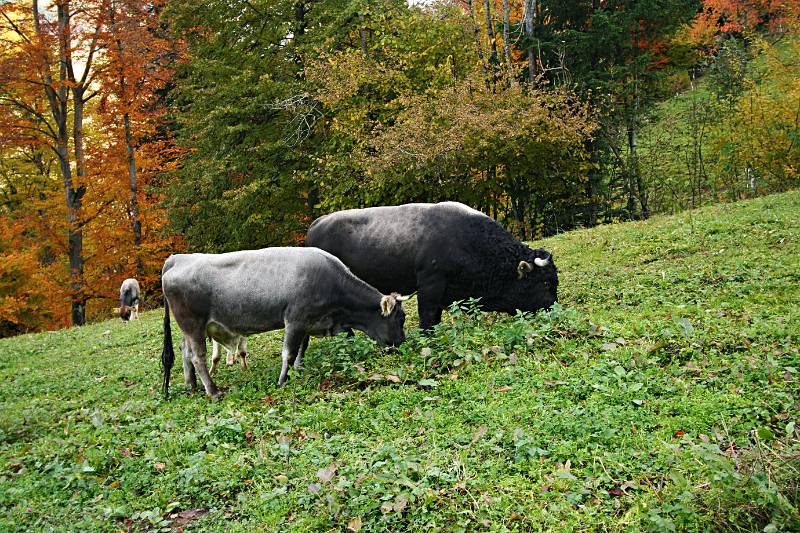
(307, 111)
(16, 28)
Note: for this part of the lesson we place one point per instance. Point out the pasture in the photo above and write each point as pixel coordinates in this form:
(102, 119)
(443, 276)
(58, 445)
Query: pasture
(662, 394)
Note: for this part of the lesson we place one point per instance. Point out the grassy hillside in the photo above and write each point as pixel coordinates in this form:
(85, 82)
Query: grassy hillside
(662, 394)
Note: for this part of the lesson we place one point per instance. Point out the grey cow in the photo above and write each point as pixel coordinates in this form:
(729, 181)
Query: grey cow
(306, 291)
(129, 294)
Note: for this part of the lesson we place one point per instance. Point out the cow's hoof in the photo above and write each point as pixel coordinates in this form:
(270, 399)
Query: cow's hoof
(216, 396)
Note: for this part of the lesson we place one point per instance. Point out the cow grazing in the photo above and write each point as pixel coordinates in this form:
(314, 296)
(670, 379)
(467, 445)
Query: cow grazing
(306, 291)
(238, 348)
(446, 251)
(129, 294)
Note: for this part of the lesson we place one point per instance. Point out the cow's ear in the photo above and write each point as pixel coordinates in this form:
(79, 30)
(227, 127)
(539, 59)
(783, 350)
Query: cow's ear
(387, 304)
(523, 268)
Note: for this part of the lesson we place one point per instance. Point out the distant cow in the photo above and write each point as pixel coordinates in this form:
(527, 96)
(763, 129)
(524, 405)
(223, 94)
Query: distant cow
(237, 348)
(129, 299)
(446, 251)
(304, 290)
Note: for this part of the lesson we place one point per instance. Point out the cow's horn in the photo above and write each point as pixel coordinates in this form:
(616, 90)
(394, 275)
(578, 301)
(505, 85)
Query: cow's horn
(400, 298)
(387, 304)
(541, 262)
(523, 268)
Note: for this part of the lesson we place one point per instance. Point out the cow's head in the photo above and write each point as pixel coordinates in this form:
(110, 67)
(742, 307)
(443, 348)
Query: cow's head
(536, 282)
(392, 319)
(125, 312)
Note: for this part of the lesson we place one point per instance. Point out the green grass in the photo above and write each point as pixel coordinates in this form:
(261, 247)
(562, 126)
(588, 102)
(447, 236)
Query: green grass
(662, 394)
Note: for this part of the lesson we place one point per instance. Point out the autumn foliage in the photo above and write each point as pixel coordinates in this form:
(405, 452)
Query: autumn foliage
(131, 129)
(74, 74)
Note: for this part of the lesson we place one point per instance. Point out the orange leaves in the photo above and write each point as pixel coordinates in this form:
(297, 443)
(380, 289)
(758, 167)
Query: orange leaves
(38, 103)
(741, 16)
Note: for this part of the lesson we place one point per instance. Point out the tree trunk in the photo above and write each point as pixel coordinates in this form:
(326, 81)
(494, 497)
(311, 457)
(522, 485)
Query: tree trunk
(300, 18)
(476, 35)
(591, 185)
(507, 44)
(633, 163)
(59, 102)
(76, 226)
(136, 223)
(363, 33)
(134, 208)
(528, 19)
(632, 169)
(493, 60)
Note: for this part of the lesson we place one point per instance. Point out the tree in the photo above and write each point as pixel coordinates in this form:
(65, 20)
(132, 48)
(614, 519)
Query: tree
(41, 58)
(54, 63)
(136, 66)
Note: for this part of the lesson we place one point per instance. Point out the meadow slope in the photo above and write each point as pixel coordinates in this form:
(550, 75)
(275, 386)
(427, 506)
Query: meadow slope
(661, 394)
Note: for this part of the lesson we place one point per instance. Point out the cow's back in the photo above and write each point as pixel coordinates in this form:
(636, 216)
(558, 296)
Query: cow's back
(129, 292)
(386, 246)
(251, 288)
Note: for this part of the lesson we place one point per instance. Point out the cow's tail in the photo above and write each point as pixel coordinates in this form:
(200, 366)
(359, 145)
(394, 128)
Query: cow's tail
(168, 354)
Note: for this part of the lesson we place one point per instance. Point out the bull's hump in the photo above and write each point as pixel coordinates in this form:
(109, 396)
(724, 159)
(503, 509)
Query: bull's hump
(458, 207)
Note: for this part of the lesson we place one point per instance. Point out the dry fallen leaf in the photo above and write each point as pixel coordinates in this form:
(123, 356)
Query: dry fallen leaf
(326, 474)
(354, 524)
(480, 432)
(400, 503)
(160, 466)
(393, 378)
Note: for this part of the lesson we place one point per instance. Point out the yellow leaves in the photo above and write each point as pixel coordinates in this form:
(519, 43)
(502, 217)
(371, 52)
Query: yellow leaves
(759, 139)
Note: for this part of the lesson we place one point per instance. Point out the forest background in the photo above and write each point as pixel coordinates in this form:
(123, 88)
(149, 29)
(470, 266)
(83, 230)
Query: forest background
(133, 129)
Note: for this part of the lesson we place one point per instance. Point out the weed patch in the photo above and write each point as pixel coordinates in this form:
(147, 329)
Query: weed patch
(660, 394)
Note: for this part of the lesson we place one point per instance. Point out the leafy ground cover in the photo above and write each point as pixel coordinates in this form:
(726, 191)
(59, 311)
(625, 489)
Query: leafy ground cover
(661, 394)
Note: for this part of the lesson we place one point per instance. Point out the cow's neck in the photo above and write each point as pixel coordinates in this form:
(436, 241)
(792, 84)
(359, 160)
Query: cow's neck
(361, 306)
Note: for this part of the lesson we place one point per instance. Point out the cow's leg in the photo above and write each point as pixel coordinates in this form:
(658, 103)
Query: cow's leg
(242, 352)
(189, 376)
(298, 360)
(292, 341)
(214, 355)
(197, 343)
(429, 301)
(136, 310)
